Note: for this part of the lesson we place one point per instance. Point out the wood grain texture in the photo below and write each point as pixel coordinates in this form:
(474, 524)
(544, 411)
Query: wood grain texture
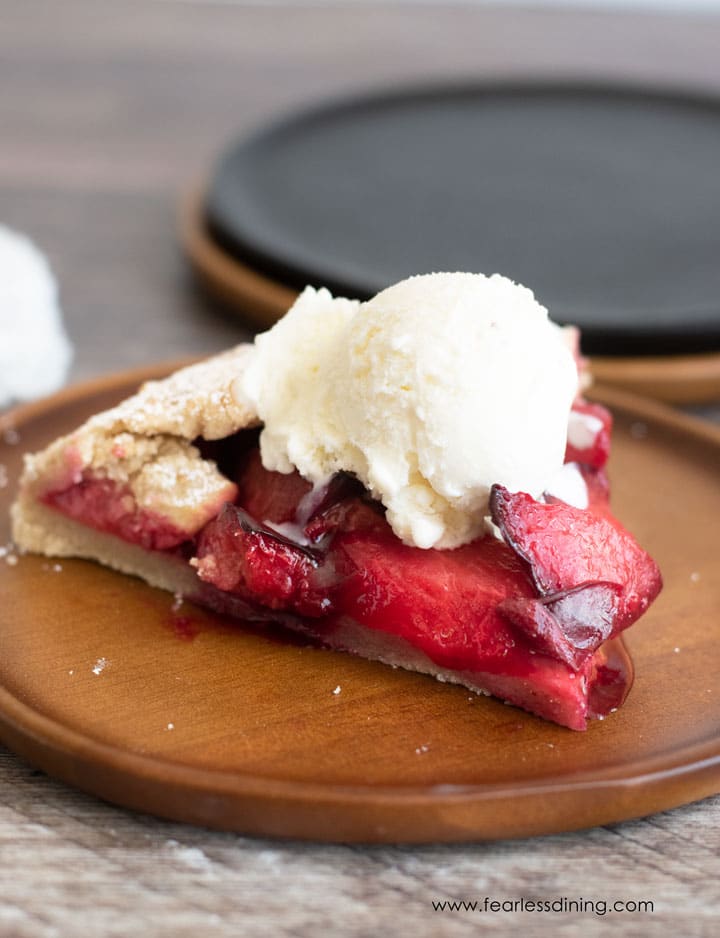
(108, 110)
(82, 867)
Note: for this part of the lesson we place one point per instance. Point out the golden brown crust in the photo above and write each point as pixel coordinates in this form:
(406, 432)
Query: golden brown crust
(194, 401)
(144, 444)
(41, 530)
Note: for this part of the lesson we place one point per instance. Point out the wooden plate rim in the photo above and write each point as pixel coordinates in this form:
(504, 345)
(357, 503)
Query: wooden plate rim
(51, 735)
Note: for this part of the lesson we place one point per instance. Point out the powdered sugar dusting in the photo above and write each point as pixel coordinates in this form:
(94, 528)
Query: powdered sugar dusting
(195, 401)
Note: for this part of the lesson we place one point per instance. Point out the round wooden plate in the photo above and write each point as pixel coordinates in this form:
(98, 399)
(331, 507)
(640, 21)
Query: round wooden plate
(108, 686)
(680, 379)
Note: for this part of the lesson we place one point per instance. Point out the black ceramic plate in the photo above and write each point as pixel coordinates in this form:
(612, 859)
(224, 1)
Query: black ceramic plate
(606, 200)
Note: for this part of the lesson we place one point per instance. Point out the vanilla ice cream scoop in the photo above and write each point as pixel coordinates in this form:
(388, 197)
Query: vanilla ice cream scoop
(431, 392)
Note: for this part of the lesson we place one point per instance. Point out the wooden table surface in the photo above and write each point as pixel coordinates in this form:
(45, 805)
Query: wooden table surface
(107, 111)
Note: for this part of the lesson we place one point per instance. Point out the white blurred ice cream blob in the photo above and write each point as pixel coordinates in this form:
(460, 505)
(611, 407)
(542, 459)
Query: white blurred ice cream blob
(35, 352)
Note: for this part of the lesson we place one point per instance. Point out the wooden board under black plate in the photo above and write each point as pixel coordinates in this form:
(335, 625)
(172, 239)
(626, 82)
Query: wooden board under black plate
(605, 200)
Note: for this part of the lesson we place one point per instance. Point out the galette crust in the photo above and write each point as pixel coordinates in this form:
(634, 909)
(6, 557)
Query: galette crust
(145, 444)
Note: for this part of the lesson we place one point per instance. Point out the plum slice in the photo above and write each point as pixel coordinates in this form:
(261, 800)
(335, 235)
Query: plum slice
(568, 626)
(267, 495)
(238, 555)
(473, 614)
(443, 602)
(568, 548)
(370, 594)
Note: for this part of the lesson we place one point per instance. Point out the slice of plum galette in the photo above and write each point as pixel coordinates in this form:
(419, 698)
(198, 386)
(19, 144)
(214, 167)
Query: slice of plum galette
(416, 479)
